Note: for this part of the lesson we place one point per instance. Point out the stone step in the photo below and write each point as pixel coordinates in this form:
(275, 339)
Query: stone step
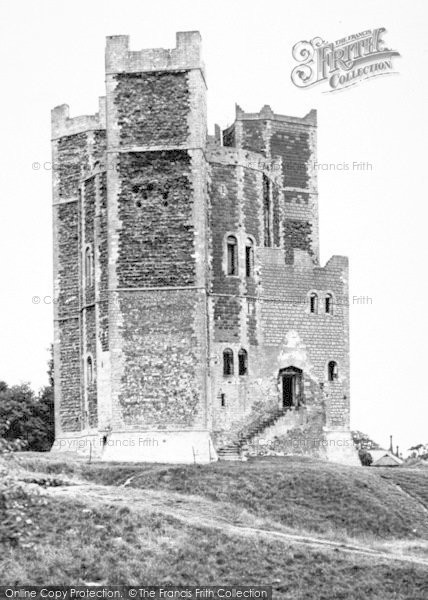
(233, 450)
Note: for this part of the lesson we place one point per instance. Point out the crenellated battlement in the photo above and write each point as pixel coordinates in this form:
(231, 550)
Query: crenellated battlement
(337, 262)
(335, 266)
(63, 125)
(186, 55)
(266, 113)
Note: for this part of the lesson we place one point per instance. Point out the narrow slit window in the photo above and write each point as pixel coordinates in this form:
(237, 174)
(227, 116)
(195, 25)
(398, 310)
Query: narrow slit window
(249, 258)
(232, 255)
(266, 211)
(243, 362)
(223, 400)
(227, 362)
(89, 371)
(329, 304)
(89, 267)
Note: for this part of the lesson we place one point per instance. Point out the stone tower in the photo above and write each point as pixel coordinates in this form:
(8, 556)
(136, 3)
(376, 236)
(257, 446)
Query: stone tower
(192, 318)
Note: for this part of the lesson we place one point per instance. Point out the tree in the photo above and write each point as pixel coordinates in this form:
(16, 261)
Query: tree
(419, 451)
(24, 416)
(51, 368)
(44, 410)
(27, 417)
(365, 457)
(363, 442)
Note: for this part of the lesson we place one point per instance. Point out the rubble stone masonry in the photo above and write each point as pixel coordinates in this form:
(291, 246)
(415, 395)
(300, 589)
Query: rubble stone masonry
(191, 312)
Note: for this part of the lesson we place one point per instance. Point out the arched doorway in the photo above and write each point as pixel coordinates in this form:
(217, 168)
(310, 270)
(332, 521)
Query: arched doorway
(291, 386)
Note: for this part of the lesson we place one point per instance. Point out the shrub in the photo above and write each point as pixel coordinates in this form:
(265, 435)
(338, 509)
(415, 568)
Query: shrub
(365, 458)
(26, 420)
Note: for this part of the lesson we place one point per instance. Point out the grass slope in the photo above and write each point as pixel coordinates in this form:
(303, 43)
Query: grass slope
(412, 481)
(75, 544)
(300, 493)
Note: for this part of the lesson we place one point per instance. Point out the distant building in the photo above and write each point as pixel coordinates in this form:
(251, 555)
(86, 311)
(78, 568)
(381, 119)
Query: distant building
(191, 311)
(384, 458)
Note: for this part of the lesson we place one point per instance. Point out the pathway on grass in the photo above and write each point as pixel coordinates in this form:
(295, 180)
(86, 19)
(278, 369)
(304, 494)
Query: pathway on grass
(201, 512)
(412, 496)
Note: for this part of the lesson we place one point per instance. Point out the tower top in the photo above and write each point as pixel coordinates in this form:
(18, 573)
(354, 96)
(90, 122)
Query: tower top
(62, 124)
(186, 55)
(266, 113)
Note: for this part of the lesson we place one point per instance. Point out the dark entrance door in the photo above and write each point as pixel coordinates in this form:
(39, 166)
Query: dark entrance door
(291, 387)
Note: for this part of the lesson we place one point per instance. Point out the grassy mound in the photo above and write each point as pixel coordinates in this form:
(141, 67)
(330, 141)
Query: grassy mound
(303, 494)
(80, 545)
(413, 482)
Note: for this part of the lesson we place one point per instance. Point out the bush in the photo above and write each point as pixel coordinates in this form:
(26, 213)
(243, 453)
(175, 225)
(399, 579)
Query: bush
(365, 458)
(26, 420)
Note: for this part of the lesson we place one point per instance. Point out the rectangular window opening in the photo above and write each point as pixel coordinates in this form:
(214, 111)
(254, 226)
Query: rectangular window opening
(249, 261)
(266, 211)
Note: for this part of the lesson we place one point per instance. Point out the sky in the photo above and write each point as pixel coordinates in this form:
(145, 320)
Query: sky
(53, 53)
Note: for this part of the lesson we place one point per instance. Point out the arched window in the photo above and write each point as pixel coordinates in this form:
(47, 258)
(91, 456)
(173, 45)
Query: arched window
(89, 371)
(243, 362)
(333, 372)
(313, 303)
(89, 267)
(227, 362)
(249, 258)
(232, 255)
(329, 304)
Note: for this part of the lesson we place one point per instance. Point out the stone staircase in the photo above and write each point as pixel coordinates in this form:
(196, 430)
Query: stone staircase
(234, 449)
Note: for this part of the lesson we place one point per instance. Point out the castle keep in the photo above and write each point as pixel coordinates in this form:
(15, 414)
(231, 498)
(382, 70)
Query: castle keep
(192, 317)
